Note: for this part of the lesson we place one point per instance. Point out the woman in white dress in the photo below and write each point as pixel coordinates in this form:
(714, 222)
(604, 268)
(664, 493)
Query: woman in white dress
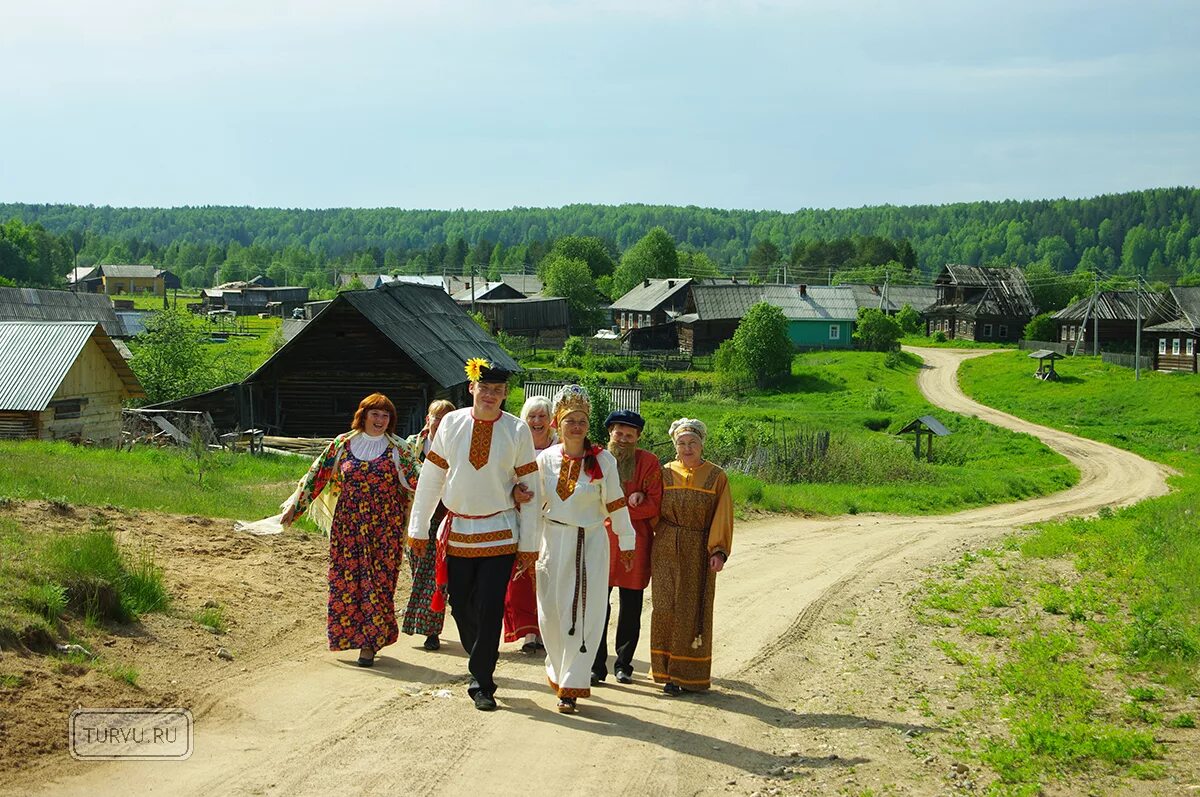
(582, 490)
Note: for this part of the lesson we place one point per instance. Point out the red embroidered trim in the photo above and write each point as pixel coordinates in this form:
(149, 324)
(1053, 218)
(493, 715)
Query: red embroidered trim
(487, 536)
(474, 553)
(437, 459)
(526, 469)
(613, 506)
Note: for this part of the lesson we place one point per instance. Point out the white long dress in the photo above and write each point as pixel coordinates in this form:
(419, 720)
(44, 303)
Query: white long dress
(572, 570)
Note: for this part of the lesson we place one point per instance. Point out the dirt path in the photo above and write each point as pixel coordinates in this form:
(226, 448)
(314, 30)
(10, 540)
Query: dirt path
(304, 722)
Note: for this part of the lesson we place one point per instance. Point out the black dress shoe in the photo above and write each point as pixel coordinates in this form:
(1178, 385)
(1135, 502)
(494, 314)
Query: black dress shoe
(598, 679)
(432, 642)
(484, 702)
(624, 677)
(364, 662)
(674, 690)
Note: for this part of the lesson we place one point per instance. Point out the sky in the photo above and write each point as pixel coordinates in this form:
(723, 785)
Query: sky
(494, 104)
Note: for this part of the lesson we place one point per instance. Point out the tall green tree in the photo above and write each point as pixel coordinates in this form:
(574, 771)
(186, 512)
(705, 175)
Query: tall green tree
(762, 342)
(763, 257)
(589, 249)
(171, 360)
(652, 257)
(572, 279)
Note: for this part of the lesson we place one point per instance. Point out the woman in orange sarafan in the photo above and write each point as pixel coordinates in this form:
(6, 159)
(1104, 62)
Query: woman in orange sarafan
(372, 474)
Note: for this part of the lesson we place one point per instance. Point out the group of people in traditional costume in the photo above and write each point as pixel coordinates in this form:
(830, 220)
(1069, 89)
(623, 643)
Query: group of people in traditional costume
(524, 525)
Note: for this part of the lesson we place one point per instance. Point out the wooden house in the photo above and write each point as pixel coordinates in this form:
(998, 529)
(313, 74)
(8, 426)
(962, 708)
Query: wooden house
(62, 380)
(116, 279)
(246, 299)
(981, 303)
(407, 341)
(528, 285)
(1111, 318)
(544, 318)
(1174, 342)
(819, 316)
(654, 302)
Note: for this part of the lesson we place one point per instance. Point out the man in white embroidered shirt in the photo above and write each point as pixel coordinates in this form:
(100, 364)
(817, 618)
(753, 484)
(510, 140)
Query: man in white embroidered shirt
(476, 457)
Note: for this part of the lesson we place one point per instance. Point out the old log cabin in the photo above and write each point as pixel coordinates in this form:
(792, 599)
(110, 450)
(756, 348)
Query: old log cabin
(407, 341)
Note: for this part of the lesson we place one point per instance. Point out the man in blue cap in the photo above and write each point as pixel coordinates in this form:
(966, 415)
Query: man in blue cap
(641, 478)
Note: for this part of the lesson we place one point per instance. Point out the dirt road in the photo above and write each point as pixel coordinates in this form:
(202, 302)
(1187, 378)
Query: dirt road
(303, 721)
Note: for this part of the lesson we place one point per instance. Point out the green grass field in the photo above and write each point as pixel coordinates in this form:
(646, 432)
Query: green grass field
(951, 343)
(234, 485)
(861, 401)
(1086, 664)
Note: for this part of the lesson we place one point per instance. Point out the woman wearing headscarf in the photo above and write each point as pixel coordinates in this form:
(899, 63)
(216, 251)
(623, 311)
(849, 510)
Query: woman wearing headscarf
(369, 477)
(692, 542)
(419, 616)
(581, 488)
(520, 602)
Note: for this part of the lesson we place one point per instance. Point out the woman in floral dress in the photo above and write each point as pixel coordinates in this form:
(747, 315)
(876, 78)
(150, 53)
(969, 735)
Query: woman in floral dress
(373, 476)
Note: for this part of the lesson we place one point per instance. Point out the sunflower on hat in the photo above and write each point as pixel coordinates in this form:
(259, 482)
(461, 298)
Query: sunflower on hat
(475, 367)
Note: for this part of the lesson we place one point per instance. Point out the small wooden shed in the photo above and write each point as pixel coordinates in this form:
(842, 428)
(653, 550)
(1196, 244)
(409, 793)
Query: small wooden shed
(62, 381)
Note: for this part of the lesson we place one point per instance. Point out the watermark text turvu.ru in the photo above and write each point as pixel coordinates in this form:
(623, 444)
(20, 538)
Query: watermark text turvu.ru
(137, 734)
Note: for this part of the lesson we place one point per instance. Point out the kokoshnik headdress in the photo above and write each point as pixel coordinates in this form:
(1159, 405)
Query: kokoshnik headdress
(571, 398)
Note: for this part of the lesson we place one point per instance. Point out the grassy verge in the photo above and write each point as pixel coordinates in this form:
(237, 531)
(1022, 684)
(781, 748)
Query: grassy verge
(49, 579)
(1082, 637)
(233, 486)
(951, 343)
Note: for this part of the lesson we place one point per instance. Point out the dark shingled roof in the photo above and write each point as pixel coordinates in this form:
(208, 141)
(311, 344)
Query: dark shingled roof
(1006, 293)
(1119, 306)
(1187, 311)
(649, 294)
(919, 297)
(424, 323)
(32, 304)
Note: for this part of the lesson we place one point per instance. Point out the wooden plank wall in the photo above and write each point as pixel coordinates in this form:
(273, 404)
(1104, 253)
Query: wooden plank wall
(93, 381)
(312, 388)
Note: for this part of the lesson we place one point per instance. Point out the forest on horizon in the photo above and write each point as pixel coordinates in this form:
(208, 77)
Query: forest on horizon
(1153, 234)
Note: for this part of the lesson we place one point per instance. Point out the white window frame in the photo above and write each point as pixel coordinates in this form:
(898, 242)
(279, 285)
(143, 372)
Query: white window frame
(1191, 347)
(835, 331)
(1004, 330)
(1175, 347)
(987, 330)
(1162, 345)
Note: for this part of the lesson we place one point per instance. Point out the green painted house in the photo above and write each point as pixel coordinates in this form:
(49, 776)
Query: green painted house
(819, 317)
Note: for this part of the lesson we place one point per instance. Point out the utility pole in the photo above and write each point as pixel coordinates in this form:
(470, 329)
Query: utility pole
(1137, 341)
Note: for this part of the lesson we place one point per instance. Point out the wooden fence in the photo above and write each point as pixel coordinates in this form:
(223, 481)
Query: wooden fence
(1127, 360)
(619, 397)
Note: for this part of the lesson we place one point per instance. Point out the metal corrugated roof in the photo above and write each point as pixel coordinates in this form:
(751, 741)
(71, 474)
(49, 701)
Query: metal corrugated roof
(32, 304)
(528, 284)
(122, 270)
(649, 294)
(1119, 306)
(799, 303)
(35, 357)
(919, 297)
(425, 323)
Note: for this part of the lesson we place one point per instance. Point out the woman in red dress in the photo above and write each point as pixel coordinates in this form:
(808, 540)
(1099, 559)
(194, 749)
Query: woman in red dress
(373, 476)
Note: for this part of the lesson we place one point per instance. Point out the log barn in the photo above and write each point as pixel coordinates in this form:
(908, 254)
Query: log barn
(405, 340)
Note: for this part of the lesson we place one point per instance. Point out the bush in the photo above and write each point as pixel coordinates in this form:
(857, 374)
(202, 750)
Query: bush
(875, 330)
(608, 363)
(763, 344)
(939, 336)
(601, 406)
(632, 373)
(1042, 327)
(880, 399)
(572, 353)
(909, 320)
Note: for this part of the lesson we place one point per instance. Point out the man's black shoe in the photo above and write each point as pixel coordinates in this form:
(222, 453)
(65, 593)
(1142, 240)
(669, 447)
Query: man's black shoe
(624, 677)
(484, 702)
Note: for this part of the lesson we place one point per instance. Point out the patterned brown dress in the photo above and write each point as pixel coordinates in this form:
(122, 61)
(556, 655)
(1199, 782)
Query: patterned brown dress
(696, 521)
